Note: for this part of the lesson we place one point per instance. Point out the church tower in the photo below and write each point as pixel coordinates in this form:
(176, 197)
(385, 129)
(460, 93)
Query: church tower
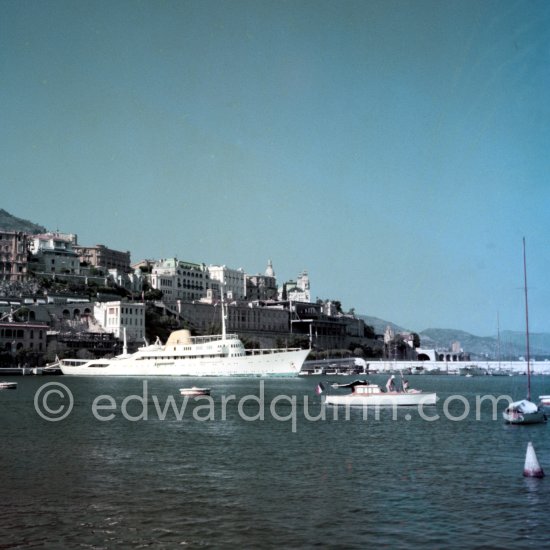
(269, 270)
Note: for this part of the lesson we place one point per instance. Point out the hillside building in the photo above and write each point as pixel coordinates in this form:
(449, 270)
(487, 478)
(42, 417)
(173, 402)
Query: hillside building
(13, 256)
(117, 316)
(101, 257)
(179, 280)
(262, 287)
(250, 321)
(233, 281)
(17, 336)
(298, 290)
(54, 253)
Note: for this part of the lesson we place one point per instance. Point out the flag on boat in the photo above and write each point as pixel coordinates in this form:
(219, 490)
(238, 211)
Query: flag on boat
(319, 389)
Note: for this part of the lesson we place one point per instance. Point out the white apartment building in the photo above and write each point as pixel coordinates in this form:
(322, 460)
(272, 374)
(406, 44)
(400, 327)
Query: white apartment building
(114, 317)
(130, 281)
(232, 280)
(54, 253)
(180, 280)
(297, 291)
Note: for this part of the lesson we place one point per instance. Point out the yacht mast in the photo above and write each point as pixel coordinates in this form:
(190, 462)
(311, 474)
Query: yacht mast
(223, 313)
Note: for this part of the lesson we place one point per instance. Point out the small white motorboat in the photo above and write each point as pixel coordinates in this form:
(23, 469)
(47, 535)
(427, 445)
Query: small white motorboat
(8, 385)
(545, 400)
(363, 393)
(194, 391)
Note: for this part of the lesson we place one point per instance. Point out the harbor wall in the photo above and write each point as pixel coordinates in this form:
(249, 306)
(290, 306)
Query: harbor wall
(460, 367)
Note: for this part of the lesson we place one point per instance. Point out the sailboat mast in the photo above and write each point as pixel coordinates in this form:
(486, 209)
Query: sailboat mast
(527, 324)
(498, 340)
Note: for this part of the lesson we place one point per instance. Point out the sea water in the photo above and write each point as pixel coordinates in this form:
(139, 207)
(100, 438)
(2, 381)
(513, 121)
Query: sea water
(263, 463)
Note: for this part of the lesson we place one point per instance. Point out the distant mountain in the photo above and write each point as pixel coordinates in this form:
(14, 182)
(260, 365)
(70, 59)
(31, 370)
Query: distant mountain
(539, 342)
(380, 325)
(511, 346)
(476, 346)
(12, 223)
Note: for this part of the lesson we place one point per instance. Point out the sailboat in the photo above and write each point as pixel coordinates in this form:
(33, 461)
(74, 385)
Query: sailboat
(525, 411)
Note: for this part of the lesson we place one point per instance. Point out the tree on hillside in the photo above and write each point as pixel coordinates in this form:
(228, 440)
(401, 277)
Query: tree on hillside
(369, 332)
(158, 325)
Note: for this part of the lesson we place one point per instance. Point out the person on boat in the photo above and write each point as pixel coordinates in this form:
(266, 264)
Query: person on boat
(390, 384)
(405, 385)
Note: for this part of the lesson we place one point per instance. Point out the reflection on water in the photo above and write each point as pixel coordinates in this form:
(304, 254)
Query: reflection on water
(535, 491)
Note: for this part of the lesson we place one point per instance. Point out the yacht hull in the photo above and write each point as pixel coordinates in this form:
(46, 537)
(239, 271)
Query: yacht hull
(383, 399)
(524, 418)
(284, 363)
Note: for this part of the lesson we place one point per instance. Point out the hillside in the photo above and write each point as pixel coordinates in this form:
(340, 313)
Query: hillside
(12, 223)
(539, 343)
(478, 346)
(512, 344)
(380, 325)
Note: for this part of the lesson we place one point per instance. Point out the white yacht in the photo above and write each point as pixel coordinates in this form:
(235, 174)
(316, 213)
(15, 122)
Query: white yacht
(186, 355)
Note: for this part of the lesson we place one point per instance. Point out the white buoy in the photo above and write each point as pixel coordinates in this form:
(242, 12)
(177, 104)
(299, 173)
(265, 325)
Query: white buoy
(532, 467)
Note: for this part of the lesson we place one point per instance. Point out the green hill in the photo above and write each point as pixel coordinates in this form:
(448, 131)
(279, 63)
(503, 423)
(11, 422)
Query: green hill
(380, 325)
(12, 223)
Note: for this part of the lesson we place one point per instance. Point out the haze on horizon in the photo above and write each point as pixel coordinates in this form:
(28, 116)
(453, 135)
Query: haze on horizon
(397, 151)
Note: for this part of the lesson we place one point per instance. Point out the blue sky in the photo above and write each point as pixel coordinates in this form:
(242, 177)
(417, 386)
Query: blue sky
(397, 151)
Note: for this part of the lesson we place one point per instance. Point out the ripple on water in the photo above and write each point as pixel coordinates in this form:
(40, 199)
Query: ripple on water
(354, 483)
